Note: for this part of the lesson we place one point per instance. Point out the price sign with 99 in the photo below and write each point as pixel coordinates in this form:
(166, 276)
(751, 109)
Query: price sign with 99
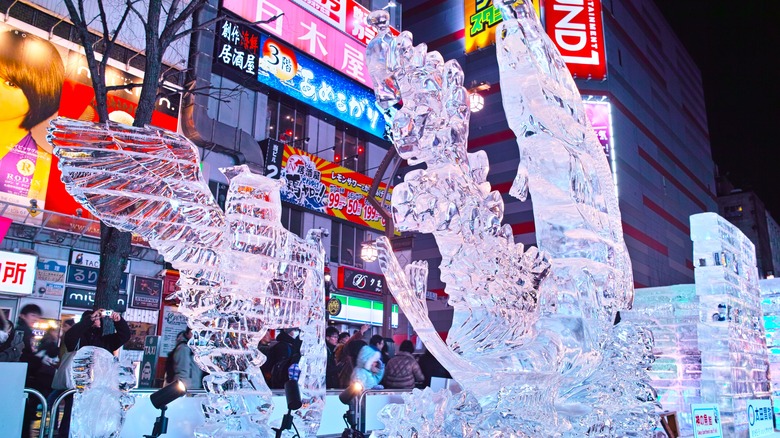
(335, 201)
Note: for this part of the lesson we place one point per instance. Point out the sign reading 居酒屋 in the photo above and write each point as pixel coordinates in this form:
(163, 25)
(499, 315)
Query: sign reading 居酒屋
(322, 186)
(266, 60)
(706, 421)
(17, 273)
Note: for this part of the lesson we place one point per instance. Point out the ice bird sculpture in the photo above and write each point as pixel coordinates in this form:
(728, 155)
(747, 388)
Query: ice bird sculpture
(241, 272)
(533, 341)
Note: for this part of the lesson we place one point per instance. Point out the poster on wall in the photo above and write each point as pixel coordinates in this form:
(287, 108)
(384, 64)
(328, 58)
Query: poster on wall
(482, 19)
(52, 80)
(173, 323)
(147, 293)
(50, 279)
(138, 333)
(324, 187)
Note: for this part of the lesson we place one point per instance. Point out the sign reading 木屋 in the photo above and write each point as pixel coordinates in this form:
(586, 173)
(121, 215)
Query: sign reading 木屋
(322, 186)
(17, 273)
(706, 421)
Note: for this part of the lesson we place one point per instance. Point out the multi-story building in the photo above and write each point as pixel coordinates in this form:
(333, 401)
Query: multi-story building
(746, 211)
(645, 93)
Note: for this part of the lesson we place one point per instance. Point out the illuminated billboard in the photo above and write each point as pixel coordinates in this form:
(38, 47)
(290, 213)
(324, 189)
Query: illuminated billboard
(599, 113)
(482, 18)
(268, 61)
(52, 81)
(337, 35)
(322, 186)
(576, 29)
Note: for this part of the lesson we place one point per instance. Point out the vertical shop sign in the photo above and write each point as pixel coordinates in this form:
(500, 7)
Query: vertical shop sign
(482, 18)
(149, 362)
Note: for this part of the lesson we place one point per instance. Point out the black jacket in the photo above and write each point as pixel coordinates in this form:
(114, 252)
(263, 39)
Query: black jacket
(285, 347)
(83, 334)
(34, 362)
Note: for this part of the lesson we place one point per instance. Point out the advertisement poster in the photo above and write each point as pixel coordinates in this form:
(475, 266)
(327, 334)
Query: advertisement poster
(323, 186)
(17, 273)
(138, 333)
(147, 293)
(706, 421)
(50, 279)
(600, 116)
(50, 80)
(173, 323)
(482, 18)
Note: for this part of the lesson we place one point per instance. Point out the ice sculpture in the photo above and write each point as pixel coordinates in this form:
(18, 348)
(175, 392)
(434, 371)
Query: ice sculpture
(241, 272)
(770, 305)
(100, 404)
(709, 335)
(533, 341)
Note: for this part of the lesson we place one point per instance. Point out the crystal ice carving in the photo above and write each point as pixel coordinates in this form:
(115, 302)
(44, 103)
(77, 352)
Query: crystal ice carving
(100, 404)
(533, 341)
(709, 335)
(241, 272)
(770, 305)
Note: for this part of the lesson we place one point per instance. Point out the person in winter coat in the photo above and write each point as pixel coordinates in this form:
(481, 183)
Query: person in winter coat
(287, 351)
(369, 368)
(89, 332)
(184, 364)
(402, 371)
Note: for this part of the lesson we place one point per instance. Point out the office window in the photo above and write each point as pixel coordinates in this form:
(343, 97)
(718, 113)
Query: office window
(345, 242)
(349, 151)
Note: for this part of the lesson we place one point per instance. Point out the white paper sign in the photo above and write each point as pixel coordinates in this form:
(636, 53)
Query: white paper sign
(760, 422)
(706, 421)
(17, 272)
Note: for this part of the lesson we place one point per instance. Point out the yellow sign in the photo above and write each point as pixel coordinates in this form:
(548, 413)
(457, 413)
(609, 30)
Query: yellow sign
(481, 21)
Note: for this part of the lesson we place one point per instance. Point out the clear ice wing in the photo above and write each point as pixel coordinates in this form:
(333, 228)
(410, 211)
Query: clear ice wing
(144, 180)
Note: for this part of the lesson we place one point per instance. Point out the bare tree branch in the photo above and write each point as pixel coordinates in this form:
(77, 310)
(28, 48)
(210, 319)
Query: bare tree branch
(208, 23)
(124, 87)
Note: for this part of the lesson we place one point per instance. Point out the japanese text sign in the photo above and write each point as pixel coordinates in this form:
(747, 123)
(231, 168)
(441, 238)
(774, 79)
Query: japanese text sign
(343, 50)
(481, 21)
(706, 421)
(760, 418)
(284, 69)
(576, 29)
(360, 281)
(347, 16)
(17, 272)
(599, 115)
(322, 186)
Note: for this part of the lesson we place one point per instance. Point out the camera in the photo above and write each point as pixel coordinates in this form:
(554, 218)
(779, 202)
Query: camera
(108, 313)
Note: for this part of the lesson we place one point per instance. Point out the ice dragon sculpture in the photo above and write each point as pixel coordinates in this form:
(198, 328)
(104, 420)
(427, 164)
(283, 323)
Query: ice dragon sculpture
(102, 383)
(533, 342)
(241, 272)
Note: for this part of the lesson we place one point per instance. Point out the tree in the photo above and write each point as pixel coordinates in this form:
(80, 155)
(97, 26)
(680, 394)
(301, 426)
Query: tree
(163, 22)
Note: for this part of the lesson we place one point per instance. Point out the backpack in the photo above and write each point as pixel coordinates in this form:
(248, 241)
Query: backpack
(11, 349)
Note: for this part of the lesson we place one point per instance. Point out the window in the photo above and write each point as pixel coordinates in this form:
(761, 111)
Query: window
(292, 220)
(349, 151)
(733, 211)
(284, 122)
(345, 242)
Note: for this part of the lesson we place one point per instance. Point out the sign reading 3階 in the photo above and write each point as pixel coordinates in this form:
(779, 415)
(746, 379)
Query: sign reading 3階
(322, 186)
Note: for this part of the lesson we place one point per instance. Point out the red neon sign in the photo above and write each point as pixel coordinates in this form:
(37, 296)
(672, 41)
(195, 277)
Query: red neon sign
(576, 28)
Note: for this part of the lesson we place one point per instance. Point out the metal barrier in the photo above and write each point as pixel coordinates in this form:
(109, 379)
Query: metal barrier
(360, 409)
(44, 411)
(54, 407)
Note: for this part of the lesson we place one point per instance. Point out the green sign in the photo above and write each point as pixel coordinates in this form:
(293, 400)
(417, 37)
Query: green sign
(149, 362)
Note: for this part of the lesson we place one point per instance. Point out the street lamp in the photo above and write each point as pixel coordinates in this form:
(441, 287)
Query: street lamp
(368, 252)
(476, 100)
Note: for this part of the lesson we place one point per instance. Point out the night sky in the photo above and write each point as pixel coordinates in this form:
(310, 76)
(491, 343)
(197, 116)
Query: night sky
(737, 47)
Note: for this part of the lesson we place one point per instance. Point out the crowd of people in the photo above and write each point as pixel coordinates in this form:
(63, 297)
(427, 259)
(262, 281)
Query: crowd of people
(350, 359)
